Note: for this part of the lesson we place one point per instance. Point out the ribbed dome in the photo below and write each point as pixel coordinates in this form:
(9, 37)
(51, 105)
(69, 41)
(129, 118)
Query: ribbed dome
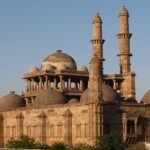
(11, 101)
(61, 61)
(97, 18)
(73, 101)
(109, 94)
(83, 68)
(33, 70)
(49, 97)
(146, 98)
(124, 12)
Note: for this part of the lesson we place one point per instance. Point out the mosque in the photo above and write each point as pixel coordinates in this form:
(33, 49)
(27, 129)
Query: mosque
(76, 104)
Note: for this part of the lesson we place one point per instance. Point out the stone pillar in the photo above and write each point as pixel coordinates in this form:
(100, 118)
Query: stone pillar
(40, 83)
(35, 86)
(68, 128)
(69, 83)
(81, 85)
(124, 124)
(46, 82)
(49, 84)
(30, 89)
(32, 84)
(61, 83)
(101, 121)
(42, 127)
(114, 84)
(55, 84)
(27, 87)
(1, 130)
(91, 124)
(135, 122)
(97, 122)
(20, 124)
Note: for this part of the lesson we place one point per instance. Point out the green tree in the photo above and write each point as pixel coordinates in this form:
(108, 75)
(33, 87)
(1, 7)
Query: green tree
(110, 142)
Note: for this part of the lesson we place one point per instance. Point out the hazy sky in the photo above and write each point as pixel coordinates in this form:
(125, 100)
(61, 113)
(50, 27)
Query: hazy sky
(32, 29)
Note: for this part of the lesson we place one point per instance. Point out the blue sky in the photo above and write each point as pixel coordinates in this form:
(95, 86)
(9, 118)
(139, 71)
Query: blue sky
(32, 29)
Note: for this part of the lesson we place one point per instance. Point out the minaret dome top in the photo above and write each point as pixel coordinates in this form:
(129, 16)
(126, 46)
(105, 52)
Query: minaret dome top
(124, 12)
(97, 18)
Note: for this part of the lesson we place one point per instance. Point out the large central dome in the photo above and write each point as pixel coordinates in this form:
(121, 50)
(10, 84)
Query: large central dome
(60, 61)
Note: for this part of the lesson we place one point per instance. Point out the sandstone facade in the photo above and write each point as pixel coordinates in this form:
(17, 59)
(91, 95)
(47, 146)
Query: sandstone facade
(70, 104)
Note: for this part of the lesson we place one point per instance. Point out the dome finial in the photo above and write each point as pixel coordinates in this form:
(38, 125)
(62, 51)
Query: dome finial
(97, 18)
(58, 50)
(124, 11)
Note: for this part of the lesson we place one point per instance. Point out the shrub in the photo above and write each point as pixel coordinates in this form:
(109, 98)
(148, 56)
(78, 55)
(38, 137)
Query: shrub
(82, 147)
(42, 146)
(110, 142)
(23, 142)
(58, 146)
(26, 142)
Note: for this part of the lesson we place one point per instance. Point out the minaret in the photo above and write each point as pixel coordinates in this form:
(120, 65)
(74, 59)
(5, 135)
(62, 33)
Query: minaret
(128, 84)
(97, 40)
(124, 41)
(95, 80)
(96, 62)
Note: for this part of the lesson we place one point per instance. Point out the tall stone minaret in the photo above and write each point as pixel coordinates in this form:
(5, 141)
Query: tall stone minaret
(124, 41)
(96, 62)
(95, 80)
(97, 40)
(128, 84)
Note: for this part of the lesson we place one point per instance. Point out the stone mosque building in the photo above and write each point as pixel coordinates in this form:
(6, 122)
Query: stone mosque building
(66, 103)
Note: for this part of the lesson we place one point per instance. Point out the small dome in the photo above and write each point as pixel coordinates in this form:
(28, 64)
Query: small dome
(11, 101)
(47, 66)
(73, 101)
(49, 97)
(97, 18)
(83, 68)
(124, 11)
(109, 94)
(33, 70)
(61, 61)
(146, 98)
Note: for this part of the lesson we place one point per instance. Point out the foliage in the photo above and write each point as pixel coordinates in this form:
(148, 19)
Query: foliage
(41, 146)
(25, 142)
(58, 146)
(109, 142)
(82, 147)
